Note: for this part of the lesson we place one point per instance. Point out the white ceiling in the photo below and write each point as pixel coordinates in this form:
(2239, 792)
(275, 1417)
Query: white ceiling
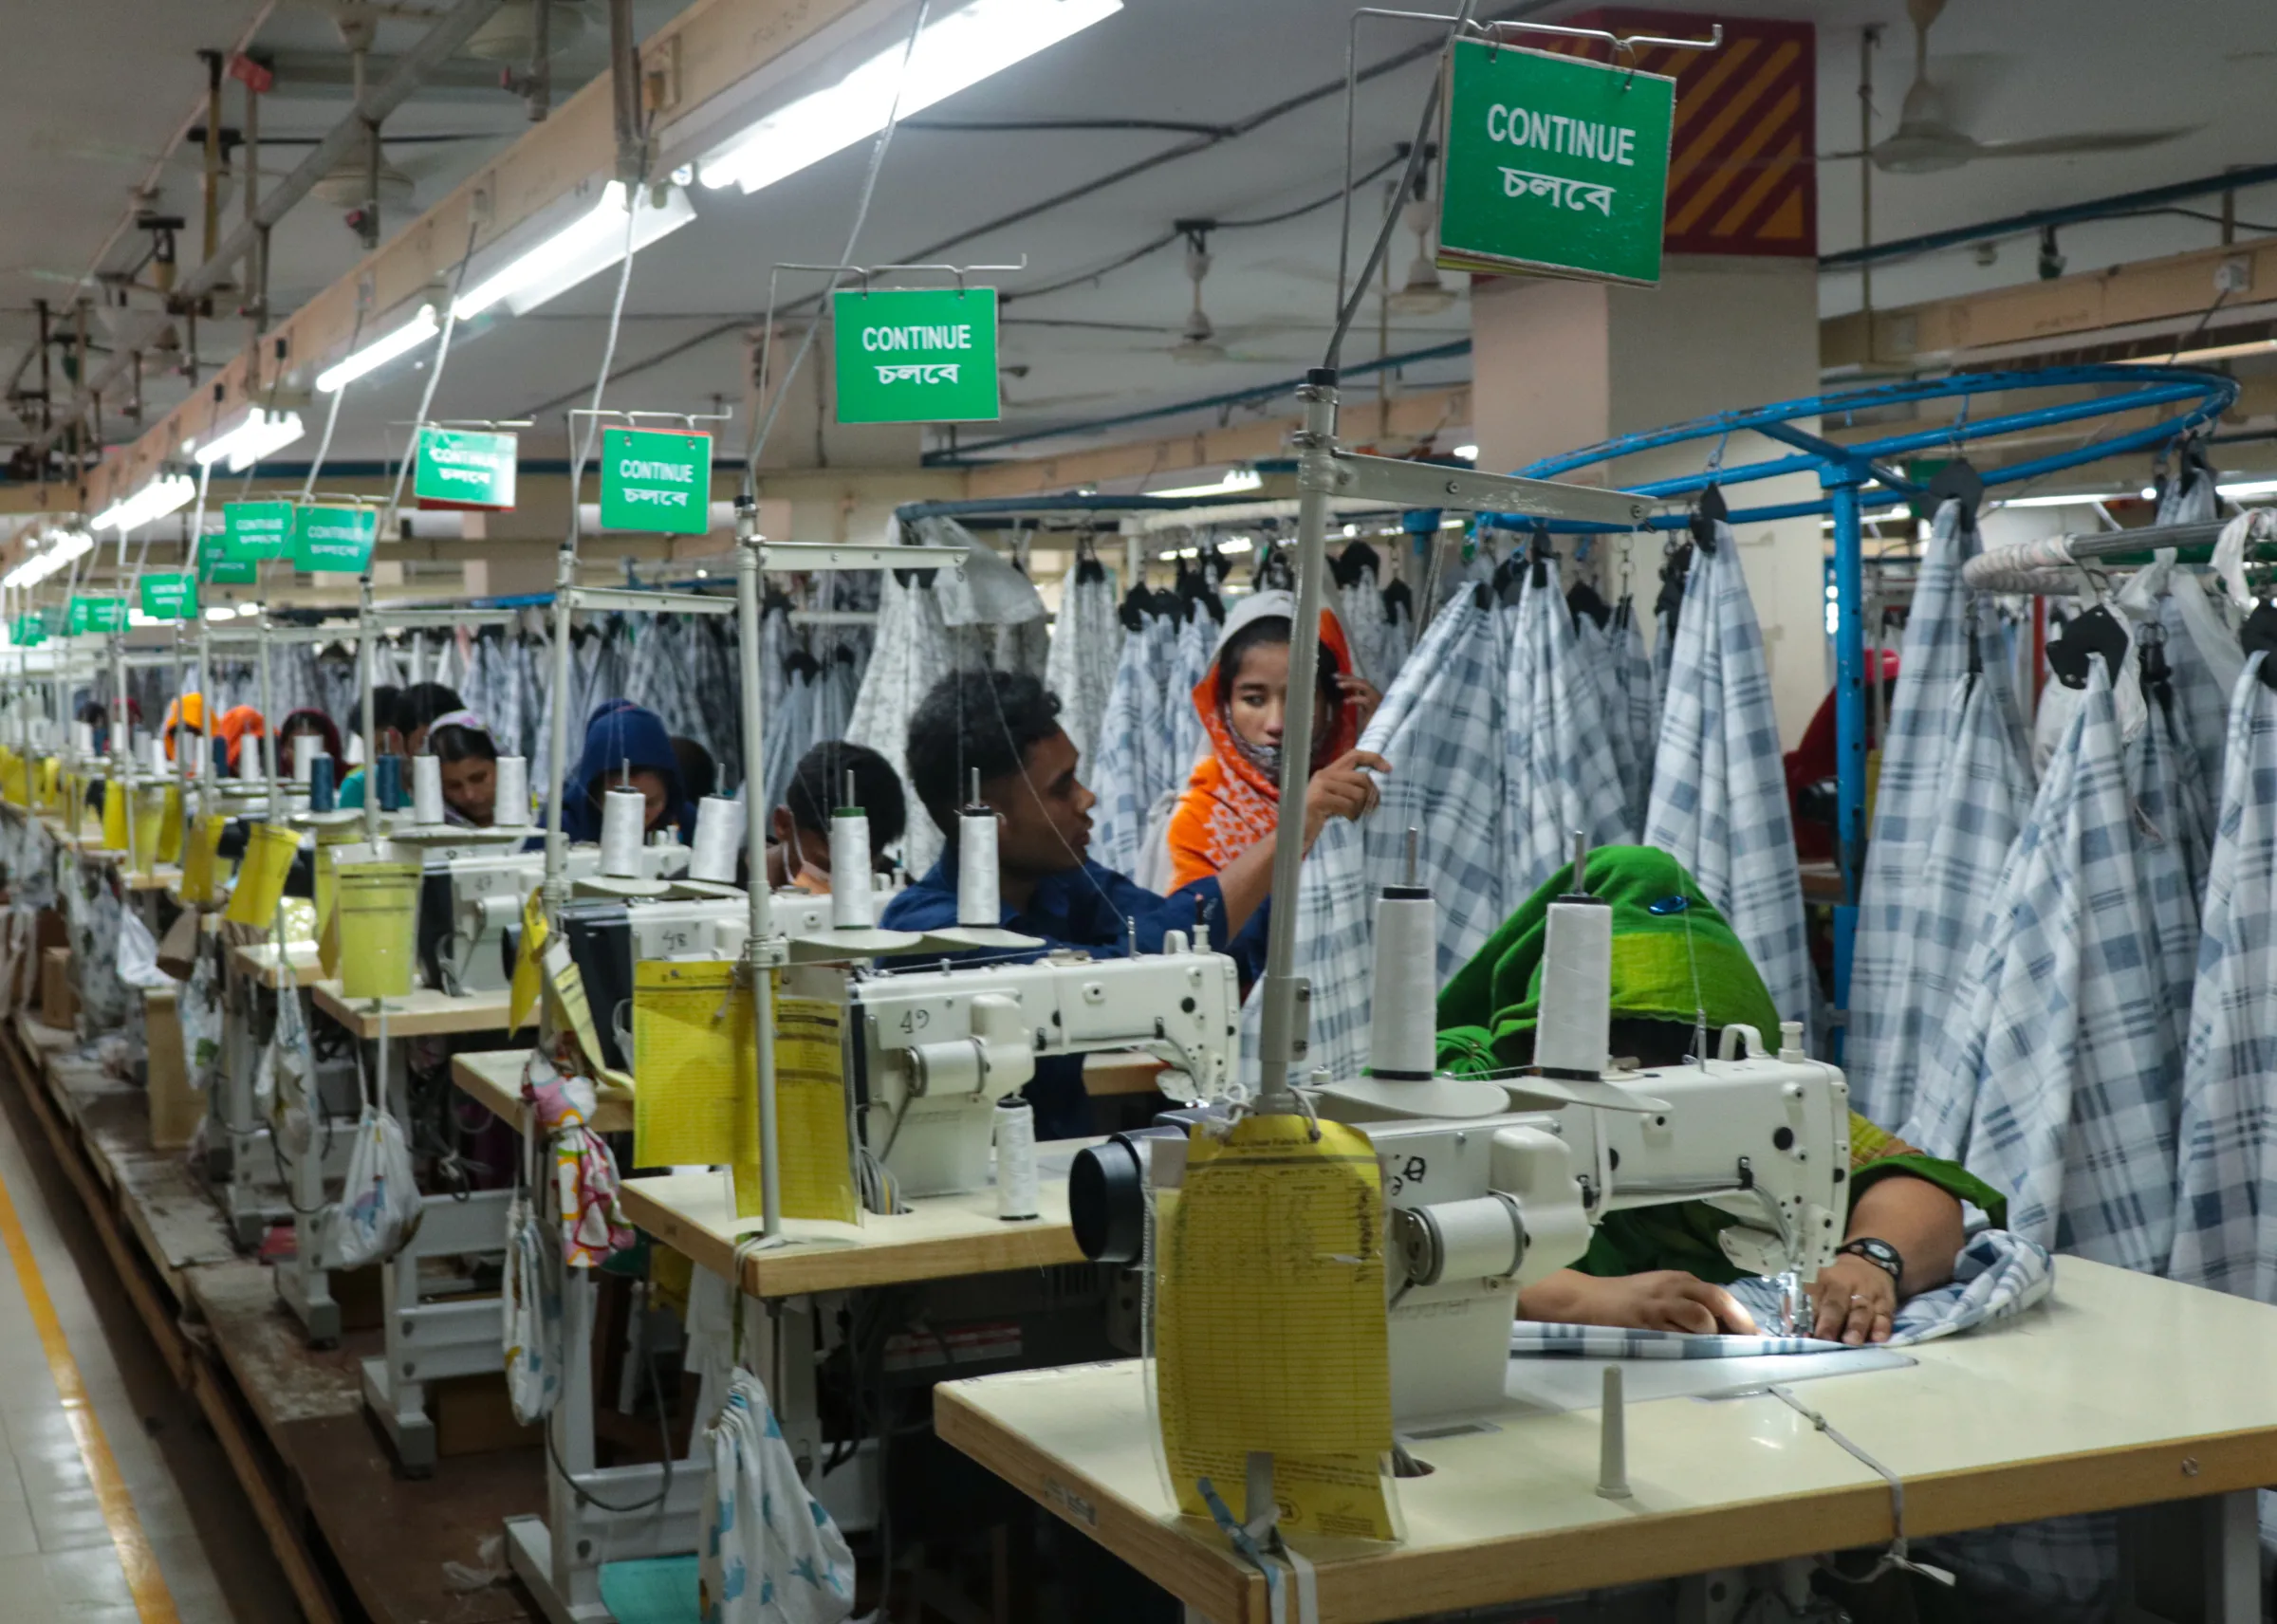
(74, 142)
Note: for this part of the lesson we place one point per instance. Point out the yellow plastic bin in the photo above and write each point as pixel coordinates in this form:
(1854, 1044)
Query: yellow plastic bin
(199, 864)
(377, 909)
(148, 804)
(261, 875)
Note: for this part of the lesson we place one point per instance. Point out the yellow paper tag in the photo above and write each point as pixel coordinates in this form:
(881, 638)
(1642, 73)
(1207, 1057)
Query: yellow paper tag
(522, 1000)
(565, 1004)
(688, 1025)
(813, 1144)
(1270, 1333)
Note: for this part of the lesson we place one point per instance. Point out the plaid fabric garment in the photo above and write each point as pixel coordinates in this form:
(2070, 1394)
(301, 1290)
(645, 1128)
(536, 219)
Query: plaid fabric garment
(1558, 772)
(1184, 740)
(1880, 1046)
(2053, 1084)
(2226, 1213)
(1601, 655)
(1719, 780)
(1997, 1276)
(1087, 647)
(1361, 607)
(1131, 749)
(1982, 796)
(2171, 854)
(913, 653)
(1640, 698)
(1441, 727)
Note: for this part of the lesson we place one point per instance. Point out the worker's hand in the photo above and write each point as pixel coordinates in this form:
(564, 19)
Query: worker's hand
(1340, 789)
(1671, 1300)
(1852, 1301)
(1362, 695)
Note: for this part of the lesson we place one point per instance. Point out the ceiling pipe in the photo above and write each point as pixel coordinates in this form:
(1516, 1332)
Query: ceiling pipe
(371, 109)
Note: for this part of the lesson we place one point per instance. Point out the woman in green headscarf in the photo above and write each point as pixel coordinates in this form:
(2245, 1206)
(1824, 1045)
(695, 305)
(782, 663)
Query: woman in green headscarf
(1675, 963)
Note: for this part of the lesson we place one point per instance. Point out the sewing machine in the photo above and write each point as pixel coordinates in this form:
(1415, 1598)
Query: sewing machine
(936, 1048)
(1492, 1185)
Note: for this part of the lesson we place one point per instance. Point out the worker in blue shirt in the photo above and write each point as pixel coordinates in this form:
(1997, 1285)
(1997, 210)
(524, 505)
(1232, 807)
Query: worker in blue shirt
(1006, 727)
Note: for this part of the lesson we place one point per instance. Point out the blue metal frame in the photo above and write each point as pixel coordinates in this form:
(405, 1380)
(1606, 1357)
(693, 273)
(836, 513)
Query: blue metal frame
(1845, 473)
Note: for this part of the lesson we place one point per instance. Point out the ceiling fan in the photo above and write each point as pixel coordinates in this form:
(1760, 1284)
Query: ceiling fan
(1927, 141)
(1197, 343)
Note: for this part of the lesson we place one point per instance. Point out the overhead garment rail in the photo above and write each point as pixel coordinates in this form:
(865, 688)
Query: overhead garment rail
(2174, 401)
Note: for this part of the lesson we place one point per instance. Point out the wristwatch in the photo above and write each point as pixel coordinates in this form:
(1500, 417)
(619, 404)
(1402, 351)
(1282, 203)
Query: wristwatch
(1879, 1253)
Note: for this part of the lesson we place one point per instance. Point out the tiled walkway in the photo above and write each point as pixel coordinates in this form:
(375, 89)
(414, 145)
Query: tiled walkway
(104, 1458)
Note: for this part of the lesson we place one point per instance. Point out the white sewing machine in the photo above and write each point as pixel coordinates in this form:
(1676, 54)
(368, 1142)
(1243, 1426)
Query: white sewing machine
(935, 1049)
(1489, 1187)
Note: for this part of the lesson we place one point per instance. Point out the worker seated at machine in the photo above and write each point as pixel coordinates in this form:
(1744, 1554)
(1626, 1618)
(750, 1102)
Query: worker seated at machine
(1678, 970)
(699, 772)
(461, 741)
(187, 712)
(798, 851)
(626, 748)
(393, 717)
(1233, 802)
(1005, 728)
(305, 729)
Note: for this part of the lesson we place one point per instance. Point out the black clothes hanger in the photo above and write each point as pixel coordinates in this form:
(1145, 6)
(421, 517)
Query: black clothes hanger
(1706, 514)
(2096, 631)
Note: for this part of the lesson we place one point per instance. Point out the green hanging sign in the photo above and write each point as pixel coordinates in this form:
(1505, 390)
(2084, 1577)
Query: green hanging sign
(1554, 165)
(917, 355)
(31, 630)
(251, 532)
(216, 567)
(103, 613)
(170, 597)
(335, 541)
(459, 469)
(656, 479)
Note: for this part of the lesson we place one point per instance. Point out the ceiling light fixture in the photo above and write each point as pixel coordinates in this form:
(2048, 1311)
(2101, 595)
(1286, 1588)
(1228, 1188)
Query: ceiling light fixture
(250, 441)
(36, 568)
(2077, 499)
(2248, 488)
(168, 493)
(377, 354)
(1236, 481)
(2210, 351)
(952, 53)
(587, 245)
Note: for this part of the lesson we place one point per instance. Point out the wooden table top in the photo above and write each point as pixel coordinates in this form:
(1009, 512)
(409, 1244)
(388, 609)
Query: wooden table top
(426, 1013)
(259, 960)
(494, 1076)
(2121, 1390)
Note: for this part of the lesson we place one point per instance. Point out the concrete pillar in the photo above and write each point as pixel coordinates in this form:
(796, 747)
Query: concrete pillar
(1557, 365)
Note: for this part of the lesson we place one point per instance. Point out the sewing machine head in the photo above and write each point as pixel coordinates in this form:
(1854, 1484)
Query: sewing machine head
(936, 1048)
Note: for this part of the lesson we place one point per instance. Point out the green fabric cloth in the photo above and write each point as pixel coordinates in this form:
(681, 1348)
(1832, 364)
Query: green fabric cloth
(1675, 957)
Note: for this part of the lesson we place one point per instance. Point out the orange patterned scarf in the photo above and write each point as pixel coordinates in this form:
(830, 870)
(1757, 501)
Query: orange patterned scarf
(1231, 801)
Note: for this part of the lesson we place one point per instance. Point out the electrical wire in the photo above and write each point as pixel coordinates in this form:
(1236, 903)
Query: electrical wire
(324, 446)
(765, 425)
(609, 355)
(434, 374)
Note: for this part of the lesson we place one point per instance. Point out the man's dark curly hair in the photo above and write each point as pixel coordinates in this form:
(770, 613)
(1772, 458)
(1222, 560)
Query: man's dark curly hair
(974, 719)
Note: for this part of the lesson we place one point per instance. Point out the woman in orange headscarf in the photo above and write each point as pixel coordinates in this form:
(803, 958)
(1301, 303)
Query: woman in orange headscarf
(237, 725)
(1234, 798)
(187, 712)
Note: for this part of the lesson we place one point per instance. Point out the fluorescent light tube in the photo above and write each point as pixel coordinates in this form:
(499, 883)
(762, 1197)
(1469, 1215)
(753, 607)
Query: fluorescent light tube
(377, 354)
(588, 244)
(166, 494)
(251, 440)
(2249, 488)
(1236, 481)
(952, 54)
(2088, 499)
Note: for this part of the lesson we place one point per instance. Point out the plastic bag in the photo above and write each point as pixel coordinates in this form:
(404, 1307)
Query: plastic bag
(532, 1319)
(770, 1554)
(378, 1208)
(200, 1014)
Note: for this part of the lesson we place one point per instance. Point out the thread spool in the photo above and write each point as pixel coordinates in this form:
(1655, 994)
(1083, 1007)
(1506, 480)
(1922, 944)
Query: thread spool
(387, 782)
(511, 802)
(1015, 1160)
(220, 751)
(1402, 1021)
(623, 821)
(853, 903)
(1577, 989)
(159, 765)
(427, 790)
(978, 899)
(355, 749)
(304, 759)
(1479, 1237)
(82, 737)
(718, 840)
(321, 797)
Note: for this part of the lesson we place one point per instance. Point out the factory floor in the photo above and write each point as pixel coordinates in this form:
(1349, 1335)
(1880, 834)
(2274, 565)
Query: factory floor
(117, 1504)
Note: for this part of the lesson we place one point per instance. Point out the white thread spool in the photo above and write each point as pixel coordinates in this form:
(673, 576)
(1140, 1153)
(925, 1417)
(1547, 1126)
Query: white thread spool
(977, 900)
(511, 805)
(853, 901)
(84, 737)
(304, 759)
(427, 791)
(1475, 1239)
(718, 840)
(159, 765)
(1015, 1160)
(1403, 1011)
(1572, 1035)
(623, 821)
(355, 749)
